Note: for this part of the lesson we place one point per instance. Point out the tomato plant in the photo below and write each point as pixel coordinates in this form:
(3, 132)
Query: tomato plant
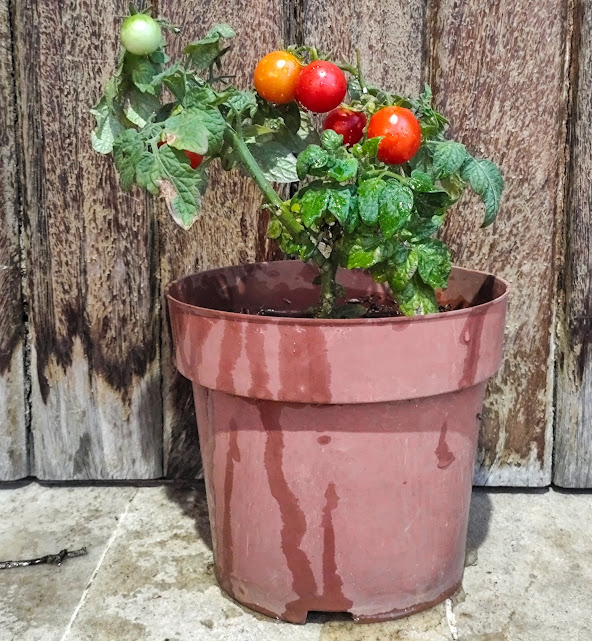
(347, 122)
(321, 86)
(140, 34)
(401, 131)
(276, 76)
(350, 206)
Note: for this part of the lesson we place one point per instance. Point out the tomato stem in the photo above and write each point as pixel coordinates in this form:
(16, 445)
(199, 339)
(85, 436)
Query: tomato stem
(359, 73)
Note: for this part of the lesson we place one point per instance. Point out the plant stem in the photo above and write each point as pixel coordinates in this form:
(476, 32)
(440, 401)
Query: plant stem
(294, 228)
(328, 288)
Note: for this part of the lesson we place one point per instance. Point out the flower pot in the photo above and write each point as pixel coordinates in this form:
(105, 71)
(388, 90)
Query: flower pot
(338, 454)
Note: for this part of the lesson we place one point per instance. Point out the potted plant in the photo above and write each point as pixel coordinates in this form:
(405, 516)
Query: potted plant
(338, 396)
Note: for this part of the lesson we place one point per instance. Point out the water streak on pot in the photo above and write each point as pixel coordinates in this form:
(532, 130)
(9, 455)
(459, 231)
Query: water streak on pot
(445, 456)
(471, 335)
(332, 582)
(255, 348)
(230, 351)
(293, 520)
(233, 456)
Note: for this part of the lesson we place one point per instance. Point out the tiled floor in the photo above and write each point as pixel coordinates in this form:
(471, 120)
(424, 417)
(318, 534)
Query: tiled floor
(148, 575)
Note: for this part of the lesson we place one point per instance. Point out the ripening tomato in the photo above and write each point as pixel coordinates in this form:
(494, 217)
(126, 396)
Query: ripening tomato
(347, 122)
(401, 131)
(195, 160)
(321, 86)
(141, 34)
(276, 76)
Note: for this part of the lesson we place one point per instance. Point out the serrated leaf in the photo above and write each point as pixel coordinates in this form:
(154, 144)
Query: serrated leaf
(179, 185)
(187, 131)
(422, 182)
(434, 263)
(276, 162)
(331, 140)
(370, 146)
(174, 79)
(358, 256)
(449, 157)
(143, 72)
(314, 203)
(405, 261)
(140, 107)
(343, 169)
(147, 172)
(243, 102)
(395, 207)
(127, 151)
(312, 158)
(416, 298)
(421, 228)
(339, 205)
(108, 127)
(204, 52)
(369, 192)
(486, 180)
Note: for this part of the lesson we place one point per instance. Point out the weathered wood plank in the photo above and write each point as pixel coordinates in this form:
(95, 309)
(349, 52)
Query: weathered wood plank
(13, 437)
(228, 231)
(573, 427)
(91, 255)
(497, 69)
(390, 36)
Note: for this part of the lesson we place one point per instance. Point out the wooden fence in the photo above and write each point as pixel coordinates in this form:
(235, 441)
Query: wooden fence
(87, 385)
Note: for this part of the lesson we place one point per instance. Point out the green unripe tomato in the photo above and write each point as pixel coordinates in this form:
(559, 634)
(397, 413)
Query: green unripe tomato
(140, 34)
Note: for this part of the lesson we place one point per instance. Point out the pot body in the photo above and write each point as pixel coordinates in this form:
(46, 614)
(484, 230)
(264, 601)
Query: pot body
(338, 454)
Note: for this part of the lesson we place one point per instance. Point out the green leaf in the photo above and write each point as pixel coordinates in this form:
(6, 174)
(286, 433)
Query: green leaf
(359, 256)
(147, 173)
(343, 169)
(142, 71)
(339, 205)
(434, 263)
(486, 180)
(331, 140)
(127, 151)
(243, 102)
(205, 52)
(420, 228)
(422, 182)
(312, 158)
(370, 146)
(369, 192)
(405, 261)
(449, 157)
(109, 126)
(187, 131)
(416, 298)
(395, 207)
(140, 107)
(276, 162)
(174, 79)
(274, 229)
(314, 203)
(179, 185)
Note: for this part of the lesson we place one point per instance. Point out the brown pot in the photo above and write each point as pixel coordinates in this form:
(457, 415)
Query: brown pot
(338, 454)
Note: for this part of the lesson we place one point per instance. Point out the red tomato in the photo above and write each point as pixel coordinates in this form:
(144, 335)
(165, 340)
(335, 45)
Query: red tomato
(276, 76)
(347, 122)
(195, 160)
(401, 131)
(321, 86)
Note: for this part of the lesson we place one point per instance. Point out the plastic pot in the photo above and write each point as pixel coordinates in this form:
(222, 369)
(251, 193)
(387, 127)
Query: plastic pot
(338, 454)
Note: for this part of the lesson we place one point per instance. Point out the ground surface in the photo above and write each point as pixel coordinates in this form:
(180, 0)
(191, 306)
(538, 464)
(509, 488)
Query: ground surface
(149, 577)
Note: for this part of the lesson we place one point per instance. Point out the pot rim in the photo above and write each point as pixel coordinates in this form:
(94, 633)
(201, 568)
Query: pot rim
(196, 310)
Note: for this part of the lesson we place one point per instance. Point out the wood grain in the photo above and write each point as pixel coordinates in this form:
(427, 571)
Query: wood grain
(13, 433)
(227, 233)
(390, 36)
(497, 69)
(573, 429)
(92, 258)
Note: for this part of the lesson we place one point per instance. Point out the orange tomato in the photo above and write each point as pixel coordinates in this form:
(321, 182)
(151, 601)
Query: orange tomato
(276, 76)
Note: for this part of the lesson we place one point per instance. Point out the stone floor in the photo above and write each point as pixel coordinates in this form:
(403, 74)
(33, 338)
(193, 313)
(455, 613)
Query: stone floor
(148, 575)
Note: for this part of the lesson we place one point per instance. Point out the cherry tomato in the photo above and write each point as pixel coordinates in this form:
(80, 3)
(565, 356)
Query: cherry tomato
(276, 75)
(347, 122)
(140, 34)
(321, 86)
(401, 131)
(195, 160)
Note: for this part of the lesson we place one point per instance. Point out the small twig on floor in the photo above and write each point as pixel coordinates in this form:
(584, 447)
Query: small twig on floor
(53, 559)
(451, 619)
